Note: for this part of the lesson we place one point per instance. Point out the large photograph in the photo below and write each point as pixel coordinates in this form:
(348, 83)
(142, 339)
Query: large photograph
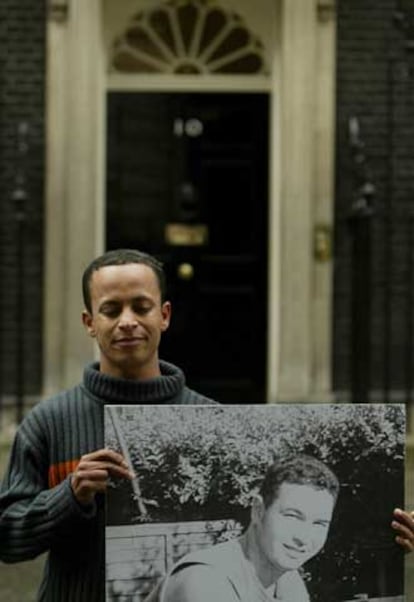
(288, 502)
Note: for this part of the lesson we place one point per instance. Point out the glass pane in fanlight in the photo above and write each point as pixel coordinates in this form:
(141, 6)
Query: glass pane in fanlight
(125, 62)
(187, 18)
(160, 22)
(251, 63)
(215, 21)
(235, 40)
(138, 38)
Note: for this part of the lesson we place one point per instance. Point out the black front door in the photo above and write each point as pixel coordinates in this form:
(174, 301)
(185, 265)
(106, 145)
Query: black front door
(187, 181)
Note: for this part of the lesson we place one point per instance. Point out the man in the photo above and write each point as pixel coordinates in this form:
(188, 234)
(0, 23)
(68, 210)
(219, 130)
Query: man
(51, 497)
(290, 519)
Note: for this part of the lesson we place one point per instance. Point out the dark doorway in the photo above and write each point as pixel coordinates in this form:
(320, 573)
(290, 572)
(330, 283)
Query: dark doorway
(187, 180)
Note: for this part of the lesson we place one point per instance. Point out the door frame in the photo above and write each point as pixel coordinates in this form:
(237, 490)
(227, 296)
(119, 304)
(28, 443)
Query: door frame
(301, 160)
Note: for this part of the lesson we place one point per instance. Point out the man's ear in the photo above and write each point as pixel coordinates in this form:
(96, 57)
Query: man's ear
(166, 315)
(257, 509)
(87, 320)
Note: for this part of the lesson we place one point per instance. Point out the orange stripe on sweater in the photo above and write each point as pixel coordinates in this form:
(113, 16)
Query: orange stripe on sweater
(59, 472)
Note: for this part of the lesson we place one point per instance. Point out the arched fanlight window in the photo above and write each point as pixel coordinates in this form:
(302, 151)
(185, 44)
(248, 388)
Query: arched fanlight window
(188, 37)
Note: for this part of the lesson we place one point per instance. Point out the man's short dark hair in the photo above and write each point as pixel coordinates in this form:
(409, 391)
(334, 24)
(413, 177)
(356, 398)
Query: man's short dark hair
(299, 470)
(121, 257)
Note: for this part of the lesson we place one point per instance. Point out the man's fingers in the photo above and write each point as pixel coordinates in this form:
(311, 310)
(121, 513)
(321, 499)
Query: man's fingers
(106, 459)
(85, 489)
(89, 487)
(105, 455)
(92, 473)
(111, 469)
(407, 544)
(404, 525)
(404, 519)
(96, 474)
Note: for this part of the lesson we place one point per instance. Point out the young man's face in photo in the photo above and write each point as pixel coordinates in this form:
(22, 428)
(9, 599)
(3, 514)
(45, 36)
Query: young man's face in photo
(127, 319)
(295, 526)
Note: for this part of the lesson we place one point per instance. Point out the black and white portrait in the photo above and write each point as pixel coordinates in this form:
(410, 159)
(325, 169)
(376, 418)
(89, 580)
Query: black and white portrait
(287, 502)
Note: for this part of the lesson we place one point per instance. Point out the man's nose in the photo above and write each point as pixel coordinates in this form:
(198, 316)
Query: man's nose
(302, 535)
(128, 319)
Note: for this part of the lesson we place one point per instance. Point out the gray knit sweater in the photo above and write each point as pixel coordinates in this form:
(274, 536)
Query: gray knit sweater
(38, 511)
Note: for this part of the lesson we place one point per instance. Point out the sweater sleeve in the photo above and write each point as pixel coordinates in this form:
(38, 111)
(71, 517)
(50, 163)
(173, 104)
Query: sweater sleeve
(32, 515)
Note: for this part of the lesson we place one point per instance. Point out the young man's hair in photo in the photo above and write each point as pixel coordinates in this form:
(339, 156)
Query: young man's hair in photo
(299, 470)
(122, 257)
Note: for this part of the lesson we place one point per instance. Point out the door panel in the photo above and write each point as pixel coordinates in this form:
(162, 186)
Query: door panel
(196, 160)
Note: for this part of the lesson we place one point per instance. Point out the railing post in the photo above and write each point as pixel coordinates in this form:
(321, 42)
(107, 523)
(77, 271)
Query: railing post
(409, 332)
(19, 199)
(360, 221)
(402, 48)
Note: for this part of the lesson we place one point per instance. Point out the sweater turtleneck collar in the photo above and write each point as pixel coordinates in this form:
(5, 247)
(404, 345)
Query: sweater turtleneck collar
(122, 390)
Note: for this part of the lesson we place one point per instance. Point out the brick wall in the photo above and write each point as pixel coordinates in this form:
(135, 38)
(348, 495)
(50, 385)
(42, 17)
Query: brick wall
(375, 83)
(22, 82)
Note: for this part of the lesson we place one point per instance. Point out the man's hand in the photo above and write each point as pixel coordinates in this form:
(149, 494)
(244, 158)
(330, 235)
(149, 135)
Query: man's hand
(92, 473)
(403, 523)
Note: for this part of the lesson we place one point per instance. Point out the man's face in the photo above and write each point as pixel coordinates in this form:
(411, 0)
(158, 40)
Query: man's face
(127, 319)
(294, 527)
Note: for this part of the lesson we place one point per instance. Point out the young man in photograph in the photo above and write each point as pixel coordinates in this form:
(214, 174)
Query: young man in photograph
(290, 519)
